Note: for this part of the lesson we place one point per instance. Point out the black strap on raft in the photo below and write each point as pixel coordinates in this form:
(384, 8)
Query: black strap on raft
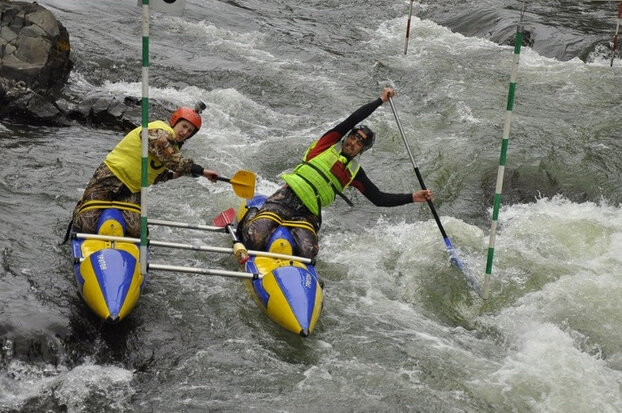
(286, 223)
(68, 232)
(328, 181)
(96, 204)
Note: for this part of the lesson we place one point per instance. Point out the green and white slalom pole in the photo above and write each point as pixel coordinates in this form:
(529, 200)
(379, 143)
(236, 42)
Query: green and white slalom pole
(502, 159)
(144, 136)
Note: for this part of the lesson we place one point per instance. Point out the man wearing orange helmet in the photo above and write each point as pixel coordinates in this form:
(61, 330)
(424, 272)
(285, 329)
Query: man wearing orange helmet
(117, 181)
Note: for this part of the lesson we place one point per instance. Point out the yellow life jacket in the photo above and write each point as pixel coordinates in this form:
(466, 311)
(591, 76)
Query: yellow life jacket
(317, 181)
(125, 159)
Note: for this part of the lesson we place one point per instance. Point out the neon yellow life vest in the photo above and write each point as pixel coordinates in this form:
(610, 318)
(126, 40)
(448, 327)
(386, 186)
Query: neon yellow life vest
(125, 159)
(317, 181)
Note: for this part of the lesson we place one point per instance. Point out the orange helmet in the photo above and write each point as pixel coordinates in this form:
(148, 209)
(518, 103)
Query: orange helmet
(188, 114)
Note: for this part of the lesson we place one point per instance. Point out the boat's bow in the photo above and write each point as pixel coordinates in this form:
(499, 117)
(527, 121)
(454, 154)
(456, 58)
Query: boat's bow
(289, 290)
(108, 272)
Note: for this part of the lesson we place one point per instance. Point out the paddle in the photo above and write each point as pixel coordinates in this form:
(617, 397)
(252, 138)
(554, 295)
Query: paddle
(454, 258)
(243, 183)
(226, 218)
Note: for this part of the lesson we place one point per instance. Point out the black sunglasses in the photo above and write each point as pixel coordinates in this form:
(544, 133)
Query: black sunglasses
(358, 136)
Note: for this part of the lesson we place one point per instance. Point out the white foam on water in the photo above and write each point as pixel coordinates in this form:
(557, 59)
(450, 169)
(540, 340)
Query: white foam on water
(69, 387)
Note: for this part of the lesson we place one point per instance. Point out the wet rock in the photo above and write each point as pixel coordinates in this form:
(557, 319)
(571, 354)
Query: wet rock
(101, 109)
(549, 28)
(25, 105)
(34, 63)
(34, 46)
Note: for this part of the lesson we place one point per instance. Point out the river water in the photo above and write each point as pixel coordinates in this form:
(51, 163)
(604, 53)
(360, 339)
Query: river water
(400, 330)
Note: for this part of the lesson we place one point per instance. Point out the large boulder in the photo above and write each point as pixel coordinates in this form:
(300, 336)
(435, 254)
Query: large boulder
(34, 46)
(34, 63)
(550, 28)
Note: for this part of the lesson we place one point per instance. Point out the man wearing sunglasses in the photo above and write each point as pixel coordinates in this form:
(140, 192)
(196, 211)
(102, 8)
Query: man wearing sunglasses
(327, 169)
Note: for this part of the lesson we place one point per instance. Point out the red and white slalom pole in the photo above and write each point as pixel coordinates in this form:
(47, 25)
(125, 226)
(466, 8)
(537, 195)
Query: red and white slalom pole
(615, 37)
(410, 13)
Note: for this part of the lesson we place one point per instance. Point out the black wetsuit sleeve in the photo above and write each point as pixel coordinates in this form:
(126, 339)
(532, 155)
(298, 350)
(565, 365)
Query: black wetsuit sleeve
(359, 115)
(375, 195)
(196, 170)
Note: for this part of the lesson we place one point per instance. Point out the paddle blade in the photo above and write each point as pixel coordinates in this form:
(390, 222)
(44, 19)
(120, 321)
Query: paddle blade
(243, 183)
(225, 218)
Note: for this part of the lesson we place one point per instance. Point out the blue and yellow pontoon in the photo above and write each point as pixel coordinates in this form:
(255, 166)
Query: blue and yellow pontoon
(289, 290)
(107, 271)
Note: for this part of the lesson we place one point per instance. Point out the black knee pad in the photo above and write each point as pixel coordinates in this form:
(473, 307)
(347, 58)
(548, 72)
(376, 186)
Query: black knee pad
(250, 213)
